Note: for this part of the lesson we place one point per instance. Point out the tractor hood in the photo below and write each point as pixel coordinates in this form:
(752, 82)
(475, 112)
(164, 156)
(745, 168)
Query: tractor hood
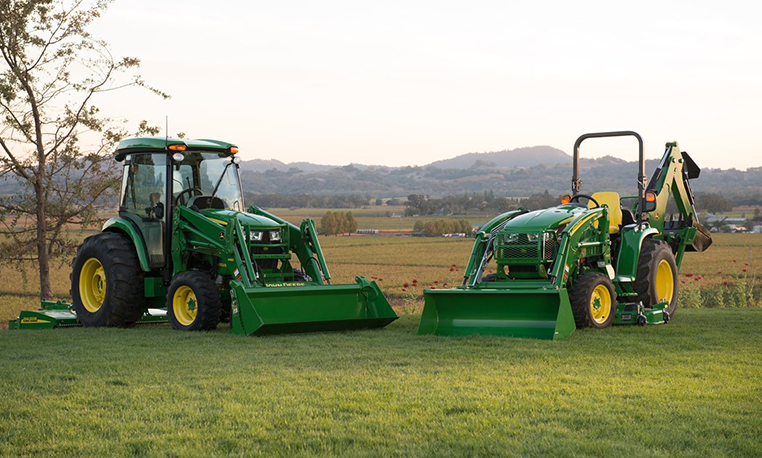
(541, 220)
(246, 219)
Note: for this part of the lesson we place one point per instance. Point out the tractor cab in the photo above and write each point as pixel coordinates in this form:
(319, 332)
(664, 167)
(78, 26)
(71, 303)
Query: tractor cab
(199, 174)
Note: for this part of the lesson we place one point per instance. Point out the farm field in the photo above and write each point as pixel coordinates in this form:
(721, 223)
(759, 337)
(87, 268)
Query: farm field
(691, 388)
(375, 217)
(423, 262)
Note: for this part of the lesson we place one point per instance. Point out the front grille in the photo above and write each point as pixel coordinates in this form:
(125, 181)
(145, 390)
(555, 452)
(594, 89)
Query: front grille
(526, 246)
(517, 251)
(549, 244)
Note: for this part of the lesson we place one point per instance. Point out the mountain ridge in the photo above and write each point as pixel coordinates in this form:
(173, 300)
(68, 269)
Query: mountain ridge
(519, 157)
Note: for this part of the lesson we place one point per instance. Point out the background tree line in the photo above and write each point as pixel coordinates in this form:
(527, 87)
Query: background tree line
(308, 200)
(420, 205)
(334, 223)
(443, 226)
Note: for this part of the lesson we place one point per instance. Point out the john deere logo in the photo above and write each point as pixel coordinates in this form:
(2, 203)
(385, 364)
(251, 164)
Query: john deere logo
(523, 251)
(33, 319)
(222, 235)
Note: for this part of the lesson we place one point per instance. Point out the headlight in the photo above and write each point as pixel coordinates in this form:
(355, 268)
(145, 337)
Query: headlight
(275, 236)
(533, 238)
(256, 236)
(511, 238)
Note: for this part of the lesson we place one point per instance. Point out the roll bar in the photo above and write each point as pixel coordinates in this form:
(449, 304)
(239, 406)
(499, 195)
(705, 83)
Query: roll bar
(577, 183)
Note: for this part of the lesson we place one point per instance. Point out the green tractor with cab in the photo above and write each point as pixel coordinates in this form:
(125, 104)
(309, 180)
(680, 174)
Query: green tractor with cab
(185, 249)
(592, 261)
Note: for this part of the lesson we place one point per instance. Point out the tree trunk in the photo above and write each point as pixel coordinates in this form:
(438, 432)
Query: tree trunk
(42, 245)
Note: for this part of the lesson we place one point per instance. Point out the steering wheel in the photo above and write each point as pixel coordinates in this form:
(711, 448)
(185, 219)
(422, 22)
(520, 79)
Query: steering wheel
(576, 197)
(188, 191)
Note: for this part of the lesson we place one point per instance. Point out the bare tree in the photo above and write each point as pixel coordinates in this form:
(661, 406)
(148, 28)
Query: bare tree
(51, 71)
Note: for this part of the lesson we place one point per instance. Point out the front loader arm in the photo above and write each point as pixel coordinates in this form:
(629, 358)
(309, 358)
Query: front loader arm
(192, 231)
(584, 236)
(483, 246)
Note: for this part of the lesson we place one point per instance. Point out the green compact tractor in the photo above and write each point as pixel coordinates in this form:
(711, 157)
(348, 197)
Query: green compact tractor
(589, 262)
(183, 249)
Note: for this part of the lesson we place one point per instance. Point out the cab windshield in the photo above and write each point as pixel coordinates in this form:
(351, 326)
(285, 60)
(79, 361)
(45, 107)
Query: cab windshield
(211, 174)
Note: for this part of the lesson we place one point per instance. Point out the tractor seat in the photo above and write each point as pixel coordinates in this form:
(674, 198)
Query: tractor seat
(627, 217)
(610, 199)
(203, 202)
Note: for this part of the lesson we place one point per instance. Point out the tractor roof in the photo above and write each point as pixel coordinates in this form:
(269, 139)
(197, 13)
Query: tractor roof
(162, 144)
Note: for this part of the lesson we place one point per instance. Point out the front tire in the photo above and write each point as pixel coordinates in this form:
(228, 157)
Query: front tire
(656, 280)
(107, 282)
(193, 302)
(593, 301)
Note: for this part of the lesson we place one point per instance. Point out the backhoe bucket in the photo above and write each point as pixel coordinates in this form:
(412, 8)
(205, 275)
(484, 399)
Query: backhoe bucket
(701, 240)
(536, 313)
(290, 309)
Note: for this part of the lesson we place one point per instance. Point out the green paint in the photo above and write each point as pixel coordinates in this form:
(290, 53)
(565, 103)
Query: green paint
(160, 144)
(124, 226)
(290, 309)
(61, 315)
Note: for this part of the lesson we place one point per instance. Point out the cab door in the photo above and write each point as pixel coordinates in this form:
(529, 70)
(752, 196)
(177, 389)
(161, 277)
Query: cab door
(144, 200)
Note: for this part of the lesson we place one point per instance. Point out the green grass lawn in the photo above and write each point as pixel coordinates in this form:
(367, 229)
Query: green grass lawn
(689, 388)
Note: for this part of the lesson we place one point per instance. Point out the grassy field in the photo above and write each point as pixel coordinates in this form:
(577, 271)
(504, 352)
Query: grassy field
(689, 388)
(692, 388)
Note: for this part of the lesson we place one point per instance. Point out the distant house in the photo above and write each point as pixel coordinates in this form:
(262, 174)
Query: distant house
(714, 219)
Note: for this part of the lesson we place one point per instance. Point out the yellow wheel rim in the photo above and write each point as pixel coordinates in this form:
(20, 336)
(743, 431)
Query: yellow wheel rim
(92, 285)
(665, 282)
(600, 304)
(184, 305)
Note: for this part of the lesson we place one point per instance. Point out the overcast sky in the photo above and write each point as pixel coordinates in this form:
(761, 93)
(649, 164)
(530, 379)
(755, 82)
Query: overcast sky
(411, 82)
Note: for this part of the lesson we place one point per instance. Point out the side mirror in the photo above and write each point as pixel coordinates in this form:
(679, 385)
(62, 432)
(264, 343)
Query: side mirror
(649, 203)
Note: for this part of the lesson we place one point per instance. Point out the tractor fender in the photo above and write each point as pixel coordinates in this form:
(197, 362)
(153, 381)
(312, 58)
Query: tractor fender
(632, 237)
(124, 226)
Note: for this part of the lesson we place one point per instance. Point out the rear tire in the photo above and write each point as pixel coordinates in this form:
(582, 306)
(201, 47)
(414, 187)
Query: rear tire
(657, 275)
(107, 282)
(593, 301)
(193, 302)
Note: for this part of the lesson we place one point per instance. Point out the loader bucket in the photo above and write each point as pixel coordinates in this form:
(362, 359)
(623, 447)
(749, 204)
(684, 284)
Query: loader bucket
(291, 309)
(532, 313)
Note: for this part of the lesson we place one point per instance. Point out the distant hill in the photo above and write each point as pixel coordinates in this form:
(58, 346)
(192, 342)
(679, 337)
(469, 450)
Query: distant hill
(606, 173)
(260, 165)
(519, 157)
(513, 173)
